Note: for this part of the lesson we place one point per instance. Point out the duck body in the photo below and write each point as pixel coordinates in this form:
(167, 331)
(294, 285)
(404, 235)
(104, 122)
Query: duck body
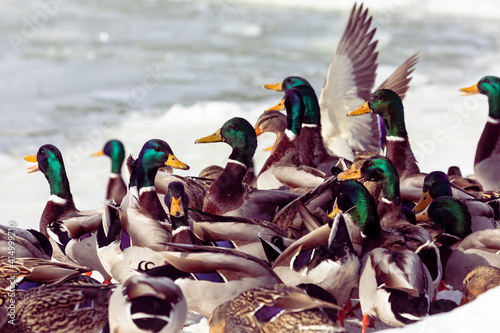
(393, 287)
(324, 257)
(146, 303)
(277, 308)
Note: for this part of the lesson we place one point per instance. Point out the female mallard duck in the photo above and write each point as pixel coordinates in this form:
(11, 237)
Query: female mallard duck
(28, 242)
(388, 105)
(478, 281)
(353, 68)
(154, 154)
(487, 153)
(461, 249)
(283, 166)
(324, 257)
(147, 304)
(277, 308)
(271, 121)
(116, 186)
(61, 308)
(227, 195)
(437, 184)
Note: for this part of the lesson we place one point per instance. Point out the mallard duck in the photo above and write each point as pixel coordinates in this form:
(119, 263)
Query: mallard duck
(311, 149)
(353, 68)
(478, 281)
(178, 201)
(487, 153)
(277, 308)
(147, 304)
(395, 285)
(271, 121)
(227, 195)
(324, 257)
(154, 154)
(461, 249)
(117, 189)
(230, 272)
(61, 308)
(284, 166)
(389, 106)
(367, 233)
(28, 242)
(60, 207)
(437, 184)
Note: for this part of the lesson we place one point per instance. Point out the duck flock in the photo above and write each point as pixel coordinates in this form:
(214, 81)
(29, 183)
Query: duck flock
(338, 224)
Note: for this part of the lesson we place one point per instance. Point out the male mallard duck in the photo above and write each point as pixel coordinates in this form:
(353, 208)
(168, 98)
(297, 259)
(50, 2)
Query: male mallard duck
(487, 153)
(353, 68)
(367, 233)
(227, 195)
(277, 308)
(283, 166)
(61, 308)
(154, 154)
(324, 257)
(60, 207)
(437, 184)
(116, 186)
(462, 250)
(388, 105)
(28, 242)
(178, 201)
(311, 149)
(147, 304)
(478, 281)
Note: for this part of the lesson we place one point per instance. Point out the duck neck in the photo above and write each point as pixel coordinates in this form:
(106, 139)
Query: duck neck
(312, 114)
(488, 143)
(399, 151)
(147, 191)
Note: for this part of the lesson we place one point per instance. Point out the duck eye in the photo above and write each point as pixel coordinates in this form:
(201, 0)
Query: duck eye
(487, 81)
(157, 149)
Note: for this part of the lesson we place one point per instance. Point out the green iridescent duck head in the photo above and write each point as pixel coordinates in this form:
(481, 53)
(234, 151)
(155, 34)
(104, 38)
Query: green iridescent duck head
(354, 199)
(50, 162)
(489, 86)
(115, 150)
(240, 135)
(388, 105)
(155, 154)
(310, 99)
(436, 184)
(452, 214)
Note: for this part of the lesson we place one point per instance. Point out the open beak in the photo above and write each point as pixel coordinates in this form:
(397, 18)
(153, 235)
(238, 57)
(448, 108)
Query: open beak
(32, 158)
(472, 90)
